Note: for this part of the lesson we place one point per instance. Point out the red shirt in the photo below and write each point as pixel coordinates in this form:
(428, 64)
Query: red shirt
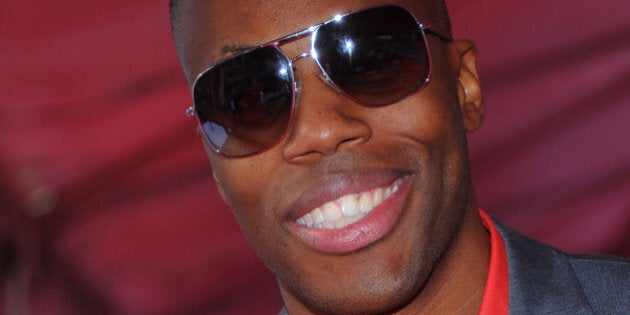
(496, 292)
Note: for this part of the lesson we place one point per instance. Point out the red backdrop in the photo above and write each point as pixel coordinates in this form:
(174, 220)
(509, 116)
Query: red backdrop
(106, 200)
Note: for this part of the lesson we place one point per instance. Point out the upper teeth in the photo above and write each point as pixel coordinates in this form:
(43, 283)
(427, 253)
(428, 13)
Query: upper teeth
(347, 209)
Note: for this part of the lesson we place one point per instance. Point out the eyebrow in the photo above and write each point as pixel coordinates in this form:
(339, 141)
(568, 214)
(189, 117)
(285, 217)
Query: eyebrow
(229, 50)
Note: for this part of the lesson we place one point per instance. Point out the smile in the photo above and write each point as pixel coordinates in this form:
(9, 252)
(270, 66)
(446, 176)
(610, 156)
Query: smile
(354, 220)
(348, 209)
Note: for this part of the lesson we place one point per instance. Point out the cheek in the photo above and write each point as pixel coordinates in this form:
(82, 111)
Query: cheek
(425, 118)
(432, 115)
(243, 191)
(243, 180)
(248, 189)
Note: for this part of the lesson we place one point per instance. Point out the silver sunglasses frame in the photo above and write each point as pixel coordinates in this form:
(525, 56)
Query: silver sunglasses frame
(426, 27)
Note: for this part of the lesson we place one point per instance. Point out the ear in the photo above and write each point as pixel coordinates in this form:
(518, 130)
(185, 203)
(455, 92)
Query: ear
(463, 59)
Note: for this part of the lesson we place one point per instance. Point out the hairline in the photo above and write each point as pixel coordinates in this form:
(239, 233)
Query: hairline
(437, 9)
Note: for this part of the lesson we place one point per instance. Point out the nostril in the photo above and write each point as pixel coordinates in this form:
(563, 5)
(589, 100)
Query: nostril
(351, 142)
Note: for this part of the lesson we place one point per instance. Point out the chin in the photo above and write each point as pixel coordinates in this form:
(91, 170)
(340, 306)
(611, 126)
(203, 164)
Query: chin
(380, 297)
(378, 286)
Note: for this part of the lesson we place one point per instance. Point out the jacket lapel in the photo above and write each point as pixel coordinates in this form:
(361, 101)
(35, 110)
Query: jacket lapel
(541, 278)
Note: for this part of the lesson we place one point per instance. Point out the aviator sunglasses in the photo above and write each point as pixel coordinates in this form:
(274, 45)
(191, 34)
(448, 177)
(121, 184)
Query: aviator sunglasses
(375, 57)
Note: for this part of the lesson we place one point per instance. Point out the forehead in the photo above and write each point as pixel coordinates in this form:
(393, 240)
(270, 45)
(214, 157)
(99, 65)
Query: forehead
(207, 28)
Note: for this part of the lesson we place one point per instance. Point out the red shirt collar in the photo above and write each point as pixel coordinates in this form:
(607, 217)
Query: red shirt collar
(496, 292)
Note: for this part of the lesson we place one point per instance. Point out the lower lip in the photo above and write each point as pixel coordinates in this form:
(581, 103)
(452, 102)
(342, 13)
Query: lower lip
(371, 228)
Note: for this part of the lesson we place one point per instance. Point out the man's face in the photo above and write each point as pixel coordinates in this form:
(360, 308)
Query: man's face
(334, 151)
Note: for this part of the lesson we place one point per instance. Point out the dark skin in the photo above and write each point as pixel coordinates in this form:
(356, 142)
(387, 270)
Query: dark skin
(434, 258)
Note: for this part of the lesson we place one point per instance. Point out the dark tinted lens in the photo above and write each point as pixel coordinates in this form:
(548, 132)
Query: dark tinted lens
(244, 104)
(376, 56)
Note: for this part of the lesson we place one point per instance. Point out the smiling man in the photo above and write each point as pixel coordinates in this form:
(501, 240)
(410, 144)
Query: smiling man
(337, 135)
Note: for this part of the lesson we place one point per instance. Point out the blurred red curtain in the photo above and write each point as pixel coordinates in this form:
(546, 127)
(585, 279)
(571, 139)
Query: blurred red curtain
(106, 199)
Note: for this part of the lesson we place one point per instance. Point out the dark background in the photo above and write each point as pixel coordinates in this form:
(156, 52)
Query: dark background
(106, 199)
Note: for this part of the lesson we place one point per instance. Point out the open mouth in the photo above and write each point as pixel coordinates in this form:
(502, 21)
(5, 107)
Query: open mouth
(354, 220)
(347, 209)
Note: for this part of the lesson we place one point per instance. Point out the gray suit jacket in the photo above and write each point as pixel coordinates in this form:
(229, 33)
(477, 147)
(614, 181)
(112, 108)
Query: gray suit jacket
(545, 280)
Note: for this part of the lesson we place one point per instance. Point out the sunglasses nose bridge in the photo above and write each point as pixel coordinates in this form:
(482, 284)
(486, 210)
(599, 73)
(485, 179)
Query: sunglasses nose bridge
(300, 56)
(321, 74)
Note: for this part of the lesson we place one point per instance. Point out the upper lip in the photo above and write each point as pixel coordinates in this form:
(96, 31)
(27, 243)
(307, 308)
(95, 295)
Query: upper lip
(335, 185)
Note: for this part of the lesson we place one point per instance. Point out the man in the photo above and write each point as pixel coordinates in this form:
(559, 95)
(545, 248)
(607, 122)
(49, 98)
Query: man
(339, 142)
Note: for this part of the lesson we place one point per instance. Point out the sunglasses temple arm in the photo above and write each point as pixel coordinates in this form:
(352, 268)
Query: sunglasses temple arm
(428, 27)
(292, 37)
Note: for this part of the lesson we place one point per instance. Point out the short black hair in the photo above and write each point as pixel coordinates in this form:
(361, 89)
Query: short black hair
(437, 8)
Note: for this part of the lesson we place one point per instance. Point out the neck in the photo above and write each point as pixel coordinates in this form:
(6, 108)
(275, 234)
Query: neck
(456, 286)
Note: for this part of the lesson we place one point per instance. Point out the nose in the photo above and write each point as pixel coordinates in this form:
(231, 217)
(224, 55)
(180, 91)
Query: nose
(324, 121)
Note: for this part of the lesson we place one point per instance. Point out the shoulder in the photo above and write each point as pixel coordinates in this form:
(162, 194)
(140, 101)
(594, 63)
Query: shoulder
(605, 279)
(543, 278)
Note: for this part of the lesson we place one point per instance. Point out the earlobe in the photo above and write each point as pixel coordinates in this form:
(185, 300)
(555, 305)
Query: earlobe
(469, 92)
